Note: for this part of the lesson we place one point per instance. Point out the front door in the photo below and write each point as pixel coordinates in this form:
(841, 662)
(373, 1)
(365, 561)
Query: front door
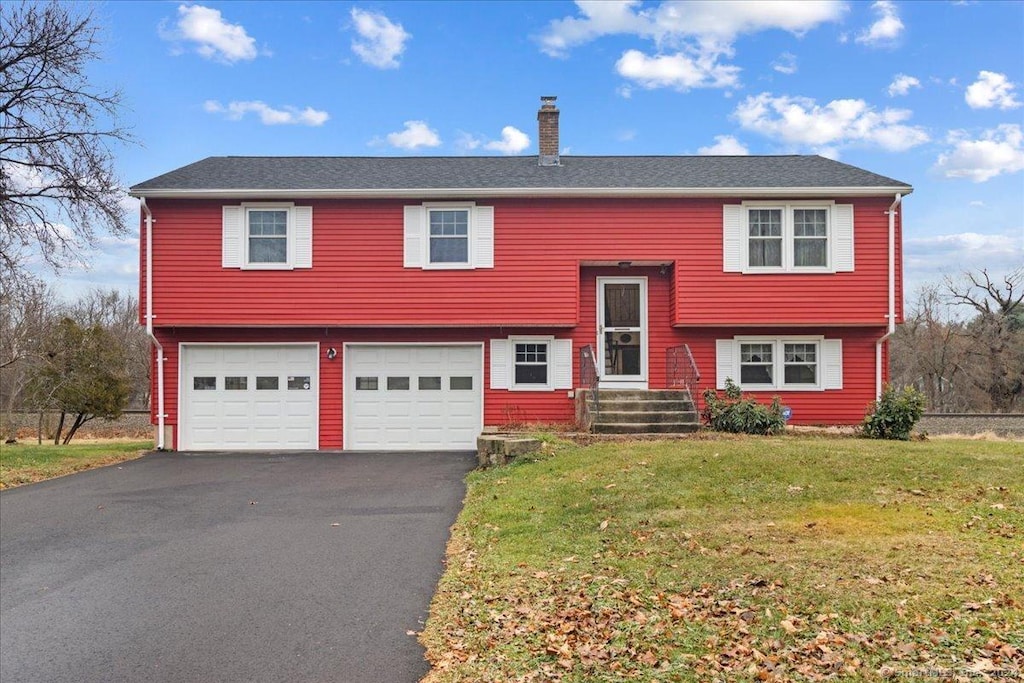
(622, 331)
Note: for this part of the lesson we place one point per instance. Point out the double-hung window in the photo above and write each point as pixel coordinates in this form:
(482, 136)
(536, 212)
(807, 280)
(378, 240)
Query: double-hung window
(810, 236)
(530, 364)
(449, 236)
(267, 236)
(790, 363)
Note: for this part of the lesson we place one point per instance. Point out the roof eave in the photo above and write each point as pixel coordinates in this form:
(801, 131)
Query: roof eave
(499, 192)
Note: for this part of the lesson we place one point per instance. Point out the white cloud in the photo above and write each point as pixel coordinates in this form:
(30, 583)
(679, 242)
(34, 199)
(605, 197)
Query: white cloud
(626, 135)
(725, 145)
(214, 38)
(977, 202)
(966, 249)
(624, 91)
(380, 41)
(288, 115)
(800, 121)
(886, 29)
(901, 85)
(999, 150)
(677, 71)
(22, 178)
(466, 142)
(416, 134)
(991, 90)
(690, 38)
(513, 141)
(785, 64)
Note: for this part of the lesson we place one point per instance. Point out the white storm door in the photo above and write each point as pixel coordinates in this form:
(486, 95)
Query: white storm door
(622, 331)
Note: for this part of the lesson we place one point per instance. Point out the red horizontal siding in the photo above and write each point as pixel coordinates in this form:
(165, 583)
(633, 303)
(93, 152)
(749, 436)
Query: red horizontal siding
(358, 278)
(502, 408)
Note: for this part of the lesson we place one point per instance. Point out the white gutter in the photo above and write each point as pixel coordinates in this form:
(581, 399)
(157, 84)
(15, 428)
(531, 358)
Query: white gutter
(160, 415)
(497, 192)
(891, 316)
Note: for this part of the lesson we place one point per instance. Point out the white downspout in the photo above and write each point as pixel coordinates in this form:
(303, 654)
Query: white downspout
(892, 295)
(160, 415)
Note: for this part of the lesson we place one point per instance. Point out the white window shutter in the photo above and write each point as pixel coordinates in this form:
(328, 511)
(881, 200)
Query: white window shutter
(842, 237)
(732, 238)
(500, 366)
(415, 236)
(483, 237)
(302, 217)
(832, 364)
(725, 359)
(562, 366)
(232, 237)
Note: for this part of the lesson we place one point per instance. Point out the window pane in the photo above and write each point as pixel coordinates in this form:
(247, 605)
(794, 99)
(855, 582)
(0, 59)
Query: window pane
(801, 374)
(430, 383)
(532, 353)
(449, 250)
(268, 250)
(366, 384)
(810, 252)
(268, 222)
(236, 383)
(266, 383)
(810, 222)
(460, 383)
(298, 383)
(531, 374)
(204, 383)
(765, 222)
(801, 353)
(449, 222)
(765, 253)
(755, 353)
(755, 374)
(398, 383)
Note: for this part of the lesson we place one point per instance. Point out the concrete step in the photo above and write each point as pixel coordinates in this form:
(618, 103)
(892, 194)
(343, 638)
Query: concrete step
(645, 417)
(635, 406)
(662, 428)
(640, 394)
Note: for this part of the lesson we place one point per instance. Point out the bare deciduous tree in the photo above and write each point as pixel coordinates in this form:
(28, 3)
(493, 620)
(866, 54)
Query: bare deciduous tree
(995, 331)
(58, 187)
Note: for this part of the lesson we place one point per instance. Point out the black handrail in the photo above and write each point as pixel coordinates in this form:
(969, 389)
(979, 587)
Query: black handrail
(681, 369)
(589, 376)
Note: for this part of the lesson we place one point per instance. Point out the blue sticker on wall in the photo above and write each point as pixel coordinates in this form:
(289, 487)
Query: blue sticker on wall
(787, 413)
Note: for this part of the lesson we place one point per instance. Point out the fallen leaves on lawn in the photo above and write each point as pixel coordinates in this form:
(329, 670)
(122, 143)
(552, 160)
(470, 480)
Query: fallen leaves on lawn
(597, 627)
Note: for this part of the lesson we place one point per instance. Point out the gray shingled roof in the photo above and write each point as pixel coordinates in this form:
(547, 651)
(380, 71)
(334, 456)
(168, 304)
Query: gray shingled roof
(522, 173)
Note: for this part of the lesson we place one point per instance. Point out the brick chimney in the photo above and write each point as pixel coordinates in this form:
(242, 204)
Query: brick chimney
(547, 131)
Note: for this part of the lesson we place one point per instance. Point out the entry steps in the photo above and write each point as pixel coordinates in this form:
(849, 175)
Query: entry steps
(638, 411)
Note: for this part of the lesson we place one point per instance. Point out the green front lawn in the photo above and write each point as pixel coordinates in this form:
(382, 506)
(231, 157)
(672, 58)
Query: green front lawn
(738, 559)
(23, 463)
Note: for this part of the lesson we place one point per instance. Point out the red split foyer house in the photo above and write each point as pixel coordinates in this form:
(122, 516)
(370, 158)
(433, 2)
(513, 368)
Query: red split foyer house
(408, 303)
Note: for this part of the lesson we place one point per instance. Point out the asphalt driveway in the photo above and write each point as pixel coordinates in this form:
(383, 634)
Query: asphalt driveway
(226, 567)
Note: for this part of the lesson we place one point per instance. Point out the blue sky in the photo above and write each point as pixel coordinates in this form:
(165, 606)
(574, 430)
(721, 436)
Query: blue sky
(929, 93)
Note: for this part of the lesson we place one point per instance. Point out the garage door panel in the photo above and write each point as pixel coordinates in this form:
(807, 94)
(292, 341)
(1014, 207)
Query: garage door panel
(243, 417)
(431, 414)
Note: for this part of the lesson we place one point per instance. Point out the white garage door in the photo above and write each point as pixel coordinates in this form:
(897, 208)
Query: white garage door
(249, 397)
(413, 398)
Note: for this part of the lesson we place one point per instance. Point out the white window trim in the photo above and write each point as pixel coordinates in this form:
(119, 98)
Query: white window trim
(289, 263)
(787, 237)
(531, 339)
(779, 362)
(468, 207)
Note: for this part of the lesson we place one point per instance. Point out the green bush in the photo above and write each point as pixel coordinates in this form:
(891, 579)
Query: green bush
(894, 414)
(740, 415)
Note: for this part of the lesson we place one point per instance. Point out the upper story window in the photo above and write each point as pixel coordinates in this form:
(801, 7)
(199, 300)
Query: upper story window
(787, 237)
(449, 236)
(267, 236)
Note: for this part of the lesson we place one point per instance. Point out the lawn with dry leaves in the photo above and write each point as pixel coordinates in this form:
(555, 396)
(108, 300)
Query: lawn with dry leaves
(738, 559)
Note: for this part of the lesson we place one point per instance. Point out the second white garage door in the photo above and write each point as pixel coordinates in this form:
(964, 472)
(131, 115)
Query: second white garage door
(413, 398)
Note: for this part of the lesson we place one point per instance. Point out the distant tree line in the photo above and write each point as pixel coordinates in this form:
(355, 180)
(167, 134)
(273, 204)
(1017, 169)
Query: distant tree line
(85, 359)
(962, 344)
